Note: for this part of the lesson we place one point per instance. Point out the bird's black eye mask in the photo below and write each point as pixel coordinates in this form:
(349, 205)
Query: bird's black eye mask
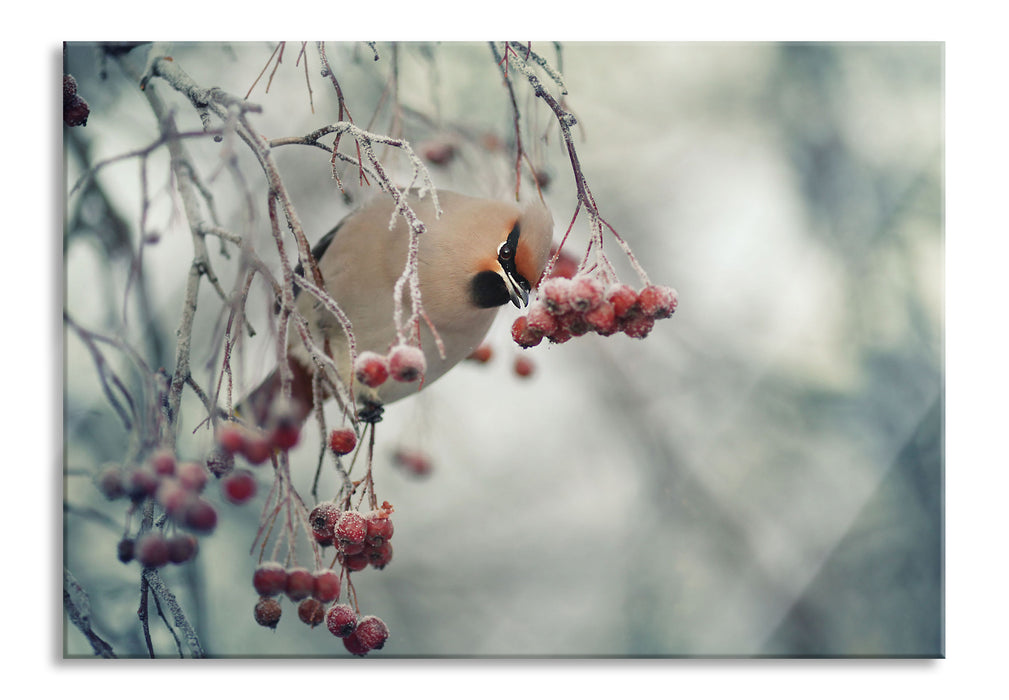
(491, 289)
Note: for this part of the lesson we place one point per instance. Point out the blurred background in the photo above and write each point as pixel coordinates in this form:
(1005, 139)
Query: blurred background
(762, 475)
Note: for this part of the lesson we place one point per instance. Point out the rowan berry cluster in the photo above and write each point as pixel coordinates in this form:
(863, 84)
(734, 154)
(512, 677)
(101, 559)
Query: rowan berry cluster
(404, 363)
(177, 487)
(360, 539)
(568, 308)
(75, 108)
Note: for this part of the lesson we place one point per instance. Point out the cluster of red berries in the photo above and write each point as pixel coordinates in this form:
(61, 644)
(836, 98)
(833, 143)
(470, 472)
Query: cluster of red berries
(361, 539)
(312, 592)
(175, 486)
(75, 109)
(360, 634)
(568, 308)
(404, 363)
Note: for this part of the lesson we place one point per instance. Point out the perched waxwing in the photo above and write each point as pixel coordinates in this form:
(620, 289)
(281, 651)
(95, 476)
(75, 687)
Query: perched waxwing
(477, 256)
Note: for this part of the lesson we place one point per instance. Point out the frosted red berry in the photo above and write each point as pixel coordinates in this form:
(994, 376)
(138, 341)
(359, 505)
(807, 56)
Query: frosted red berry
(342, 441)
(358, 561)
(323, 520)
(638, 326)
(181, 548)
(198, 515)
(300, 583)
(523, 335)
(371, 369)
(407, 363)
(379, 555)
(585, 293)
(326, 585)
(574, 323)
(267, 612)
(379, 526)
(270, 578)
(311, 612)
(341, 620)
(257, 449)
(372, 632)
(602, 319)
(657, 301)
(351, 528)
(231, 438)
(354, 645)
(285, 431)
(141, 483)
(162, 462)
(192, 476)
(151, 549)
(239, 486)
(173, 496)
(111, 482)
(556, 295)
(540, 320)
(623, 298)
(524, 367)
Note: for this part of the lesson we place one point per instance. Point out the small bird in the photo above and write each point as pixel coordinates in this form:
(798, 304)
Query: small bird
(477, 256)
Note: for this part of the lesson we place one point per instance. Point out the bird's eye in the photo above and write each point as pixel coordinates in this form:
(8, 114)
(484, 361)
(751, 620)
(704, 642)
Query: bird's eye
(506, 251)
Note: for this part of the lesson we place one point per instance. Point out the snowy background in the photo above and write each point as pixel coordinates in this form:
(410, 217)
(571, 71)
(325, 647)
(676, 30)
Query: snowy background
(761, 476)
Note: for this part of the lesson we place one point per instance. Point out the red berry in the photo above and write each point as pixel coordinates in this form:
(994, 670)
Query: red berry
(342, 441)
(540, 320)
(199, 515)
(173, 496)
(379, 526)
(323, 519)
(257, 449)
(151, 549)
(658, 302)
(561, 335)
(371, 369)
(407, 363)
(357, 561)
(311, 612)
(585, 293)
(525, 336)
(379, 555)
(300, 583)
(574, 323)
(326, 585)
(566, 265)
(438, 152)
(556, 295)
(348, 549)
(414, 462)
(111, 482)
(354, 645)
(524, 366)
(75, 111)
(270, 579)
(141, 483)
(192, 476)
(341, 620)
(231, 438)
(162, 463)
(602, 319)
(372, 632)
(481, 354)
(637, 326)
(267, 612)
(351, 528)
(285, 431)
(181, 548)
(623, 298)
(69, 86)
(239, 486)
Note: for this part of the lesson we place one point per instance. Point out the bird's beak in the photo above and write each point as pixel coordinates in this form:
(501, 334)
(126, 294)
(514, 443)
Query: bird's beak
(516, 290)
